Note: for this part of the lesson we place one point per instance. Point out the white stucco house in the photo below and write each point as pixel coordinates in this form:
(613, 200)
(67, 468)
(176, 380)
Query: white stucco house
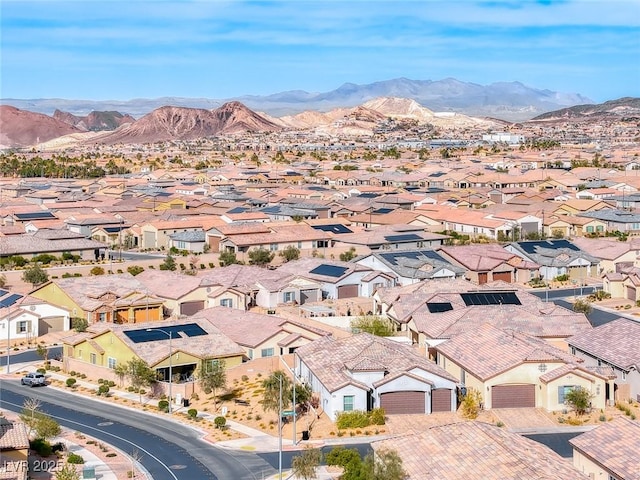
(363, 372)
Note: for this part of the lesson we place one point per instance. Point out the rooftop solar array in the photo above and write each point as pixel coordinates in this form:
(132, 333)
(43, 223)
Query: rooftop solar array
(490, 298)
(439, 307)
(334, 227)
(382, 211)
(3, 292)
(237, 210)
(368, 195)
(154, 334)
(329, 270)
(530, 247)
(34, 215)
(403, 238)
(10, 300)
(394, 257)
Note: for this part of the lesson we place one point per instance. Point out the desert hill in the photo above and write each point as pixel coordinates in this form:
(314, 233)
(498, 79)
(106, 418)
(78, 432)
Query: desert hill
(21, 127)
(94, 121)
(622, 107)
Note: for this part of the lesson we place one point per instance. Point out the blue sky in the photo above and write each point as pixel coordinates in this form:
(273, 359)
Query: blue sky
(119, 50)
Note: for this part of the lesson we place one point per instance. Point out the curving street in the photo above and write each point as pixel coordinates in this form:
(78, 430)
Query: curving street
(170, 450)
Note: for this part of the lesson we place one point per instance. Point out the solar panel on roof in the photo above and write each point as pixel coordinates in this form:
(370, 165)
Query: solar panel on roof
(155, 334)
(490, 298)
(3, 293)
(402, 238)
(382, 211)
(329, 270)
(10, 300)
(334, 227)
(395, 257)
(34, 215)
(439, 307)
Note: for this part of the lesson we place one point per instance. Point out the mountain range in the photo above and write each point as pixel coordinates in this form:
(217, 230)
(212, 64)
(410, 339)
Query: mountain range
(510, 101)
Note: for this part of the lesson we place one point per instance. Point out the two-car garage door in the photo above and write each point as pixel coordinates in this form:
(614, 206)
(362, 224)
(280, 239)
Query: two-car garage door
(513, 396)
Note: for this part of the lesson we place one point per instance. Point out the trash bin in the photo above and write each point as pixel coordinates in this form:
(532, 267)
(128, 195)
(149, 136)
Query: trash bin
(305, 434)
(185, 402)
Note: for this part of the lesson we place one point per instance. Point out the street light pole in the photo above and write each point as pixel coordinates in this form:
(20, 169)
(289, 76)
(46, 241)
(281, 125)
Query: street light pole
(170, 335)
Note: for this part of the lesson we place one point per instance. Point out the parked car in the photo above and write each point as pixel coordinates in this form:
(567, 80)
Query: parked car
(34, 379)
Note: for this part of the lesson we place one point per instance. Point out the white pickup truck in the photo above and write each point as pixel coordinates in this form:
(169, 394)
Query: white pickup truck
(34, 379)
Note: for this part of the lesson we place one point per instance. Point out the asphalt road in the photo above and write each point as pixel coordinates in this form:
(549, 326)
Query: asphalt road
(556, 293)
(558, 442)
(170, 451)
(28, 356)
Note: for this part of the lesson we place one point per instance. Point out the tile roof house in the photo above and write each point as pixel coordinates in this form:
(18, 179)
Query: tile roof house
(556, 257)
(411, 266)
(392, 237)
(180, 344)
(362, 372)
(261, 335)
(53, 242)
(615, 344)
(514, 370)
(475, 451)
(489, 263)
(609, 451)
(14, 445)
(103, 298)
(431, 311)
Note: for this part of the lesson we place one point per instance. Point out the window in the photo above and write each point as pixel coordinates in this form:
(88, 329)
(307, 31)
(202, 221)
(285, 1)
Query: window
(79, 353)
(347, 403)
(288, 297)
(562, 392)
(590, 229)
(102, 317)
(22, 326)
(266, 352)
(111, 363)
(299, 244)
(250, 354)
(226, 302)
(273, 247)
(92, 358)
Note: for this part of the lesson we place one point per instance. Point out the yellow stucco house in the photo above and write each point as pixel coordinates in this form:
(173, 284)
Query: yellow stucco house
(103, 298)
(514, 370)
(182, 344)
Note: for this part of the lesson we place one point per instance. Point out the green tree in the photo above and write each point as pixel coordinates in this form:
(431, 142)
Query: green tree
(582, 306)
(35, 275)
(260, 257)
(305, 465)
(227, 258)
(120, 371)
(374, 325)
(139, 374)
(169, 263)
(213, 376)
(579, 398)
(290, 253)
(40, 423)
(42, 351)
(79, 324)
(271, 394)
(348, 255)
(68, 472)
(383, 465)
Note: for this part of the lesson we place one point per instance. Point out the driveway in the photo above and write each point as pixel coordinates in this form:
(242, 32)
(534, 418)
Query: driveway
(523, 418)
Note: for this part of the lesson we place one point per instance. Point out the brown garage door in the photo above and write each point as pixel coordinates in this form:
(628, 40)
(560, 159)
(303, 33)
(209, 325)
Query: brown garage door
(631, 293)
(513, 396)
(441, 400)
(348, 291)
(189, 308)
(504, 276)
(402, 402)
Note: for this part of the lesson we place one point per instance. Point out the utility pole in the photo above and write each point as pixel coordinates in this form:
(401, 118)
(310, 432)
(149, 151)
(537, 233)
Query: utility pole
(280, 432)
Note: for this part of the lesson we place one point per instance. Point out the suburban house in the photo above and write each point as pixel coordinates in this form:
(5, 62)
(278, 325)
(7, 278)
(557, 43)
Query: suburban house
(182, 345)
(513, 370)
(411, 266)
(489, 263)
(260, 335)
(29, 317)
(475, 451)
(52, 242)
(14, 445)
(339, 279)
(157, 234)
(609, 451)
(616, 220)
(391, 237)
(556, 257)
(362, 372)
(430, 312)
(615, 345)
(612, 254)
(180, 294)
(103, 298)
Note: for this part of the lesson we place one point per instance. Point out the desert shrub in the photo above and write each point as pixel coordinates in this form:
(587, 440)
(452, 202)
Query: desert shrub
(220, 422)
(192, 412)
(471, 403)
(75, 459)
(376, 416)
(71, 382)
(103, 389)
(41, 447)
(97, 271)
(353, 419)
(163, 405)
